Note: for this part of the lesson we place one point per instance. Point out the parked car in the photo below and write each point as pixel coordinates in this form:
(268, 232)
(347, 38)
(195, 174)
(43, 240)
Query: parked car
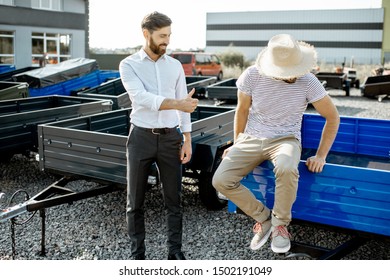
(200, 64)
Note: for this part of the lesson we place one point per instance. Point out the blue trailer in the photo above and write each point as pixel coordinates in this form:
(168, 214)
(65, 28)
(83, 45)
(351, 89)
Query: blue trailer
(4, 68)
(7, 75)
(72, 86)
(353, 191)
(65, 78)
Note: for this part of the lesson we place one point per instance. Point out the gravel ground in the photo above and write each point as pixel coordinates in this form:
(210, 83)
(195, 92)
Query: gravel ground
(95, 228)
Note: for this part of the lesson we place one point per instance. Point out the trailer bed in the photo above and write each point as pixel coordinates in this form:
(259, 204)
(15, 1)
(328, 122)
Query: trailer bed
(376, 87)
(112, 90)
(13, 90)
(95, 146)
(19, 118)
(335, 80)
(200, 84)
(225, 90)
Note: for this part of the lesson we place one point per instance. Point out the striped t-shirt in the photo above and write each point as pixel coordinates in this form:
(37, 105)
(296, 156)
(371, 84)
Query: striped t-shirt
(277, 107)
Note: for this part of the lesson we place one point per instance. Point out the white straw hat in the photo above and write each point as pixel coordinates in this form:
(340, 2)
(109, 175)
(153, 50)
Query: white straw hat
(286, 58)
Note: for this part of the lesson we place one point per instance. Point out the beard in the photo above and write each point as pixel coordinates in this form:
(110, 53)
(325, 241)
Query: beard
(156, 49)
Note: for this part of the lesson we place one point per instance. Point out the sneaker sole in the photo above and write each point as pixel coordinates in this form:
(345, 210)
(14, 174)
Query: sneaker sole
(263, 241)
(279, 249)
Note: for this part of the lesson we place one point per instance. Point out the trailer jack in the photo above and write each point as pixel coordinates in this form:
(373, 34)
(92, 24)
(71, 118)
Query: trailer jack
(54, 195)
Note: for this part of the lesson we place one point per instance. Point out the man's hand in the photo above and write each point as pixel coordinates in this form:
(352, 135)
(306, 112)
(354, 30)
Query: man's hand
(315, 164)
(225, 152)
(189, 104)
(186, 152)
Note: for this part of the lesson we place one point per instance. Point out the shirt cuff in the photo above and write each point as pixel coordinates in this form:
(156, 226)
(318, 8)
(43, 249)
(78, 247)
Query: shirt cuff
(157, 103)
(186, 128)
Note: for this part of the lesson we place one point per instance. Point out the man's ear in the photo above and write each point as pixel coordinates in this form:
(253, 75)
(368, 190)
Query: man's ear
(146, 33)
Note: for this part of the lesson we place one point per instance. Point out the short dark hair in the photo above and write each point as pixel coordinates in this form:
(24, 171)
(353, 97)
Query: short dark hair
(155, 21)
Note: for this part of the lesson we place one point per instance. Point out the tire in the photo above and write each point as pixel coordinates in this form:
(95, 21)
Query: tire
(208, 194)
(154, 176)
(346, 88)
(6, 157)
(298, 256)
(357, 84)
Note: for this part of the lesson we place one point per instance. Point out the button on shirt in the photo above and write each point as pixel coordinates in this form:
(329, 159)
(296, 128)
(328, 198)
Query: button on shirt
(148, 83)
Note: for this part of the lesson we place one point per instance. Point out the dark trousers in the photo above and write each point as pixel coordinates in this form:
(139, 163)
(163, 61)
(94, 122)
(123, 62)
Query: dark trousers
(143, 149)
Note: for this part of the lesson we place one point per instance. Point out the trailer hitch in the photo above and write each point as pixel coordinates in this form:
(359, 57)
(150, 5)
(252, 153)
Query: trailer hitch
(20, 213)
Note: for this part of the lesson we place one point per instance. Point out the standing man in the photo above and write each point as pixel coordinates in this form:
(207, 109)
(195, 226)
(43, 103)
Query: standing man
(160, 131)
(272, 96)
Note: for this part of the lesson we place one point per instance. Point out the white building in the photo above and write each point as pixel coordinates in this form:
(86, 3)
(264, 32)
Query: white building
(338, 35)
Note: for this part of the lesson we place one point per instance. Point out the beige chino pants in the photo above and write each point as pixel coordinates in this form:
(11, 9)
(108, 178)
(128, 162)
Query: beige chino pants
(247, 153)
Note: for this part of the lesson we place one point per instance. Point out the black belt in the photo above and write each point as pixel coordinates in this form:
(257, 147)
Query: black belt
(164, 130)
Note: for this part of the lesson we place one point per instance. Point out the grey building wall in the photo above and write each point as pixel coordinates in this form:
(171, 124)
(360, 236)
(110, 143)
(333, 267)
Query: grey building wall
(24, 20)
(108, 61)
(338, 35)
(74, 6)
(22, 44)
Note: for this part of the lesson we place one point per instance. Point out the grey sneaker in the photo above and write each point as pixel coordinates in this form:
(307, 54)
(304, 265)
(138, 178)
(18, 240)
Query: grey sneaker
(280, 239)
(262, 231)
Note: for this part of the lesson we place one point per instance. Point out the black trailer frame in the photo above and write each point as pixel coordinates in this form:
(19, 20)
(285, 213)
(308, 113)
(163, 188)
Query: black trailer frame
(335, 80)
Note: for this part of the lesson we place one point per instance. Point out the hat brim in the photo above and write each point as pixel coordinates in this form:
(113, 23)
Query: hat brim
(266, 66)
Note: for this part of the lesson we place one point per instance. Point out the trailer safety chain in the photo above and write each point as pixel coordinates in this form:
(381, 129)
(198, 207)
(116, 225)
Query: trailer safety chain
(13, 201)
(14, 221)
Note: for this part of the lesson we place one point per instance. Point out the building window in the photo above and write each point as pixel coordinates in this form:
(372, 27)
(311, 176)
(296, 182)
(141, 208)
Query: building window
(7, 2)
(56, 47)
(7, 50)
(54, 5)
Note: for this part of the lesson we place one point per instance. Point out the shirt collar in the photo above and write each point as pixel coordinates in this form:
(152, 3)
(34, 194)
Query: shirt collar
(144, 55)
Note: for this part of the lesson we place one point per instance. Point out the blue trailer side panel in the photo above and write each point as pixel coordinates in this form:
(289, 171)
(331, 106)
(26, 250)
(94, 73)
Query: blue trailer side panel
(6, 68)
(361, 136)
(89, 80)
(347, 197)
(343, 195)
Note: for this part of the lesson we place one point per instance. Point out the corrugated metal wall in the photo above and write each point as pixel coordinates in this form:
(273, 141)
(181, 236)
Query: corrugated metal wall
(338, 35)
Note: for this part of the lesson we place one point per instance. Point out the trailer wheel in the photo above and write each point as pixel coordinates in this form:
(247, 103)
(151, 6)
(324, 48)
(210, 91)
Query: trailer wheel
(357, 84)
(346, 87)
(6, 157)
(154, 176)
(298, 256)
(220, 76)
(208, 194)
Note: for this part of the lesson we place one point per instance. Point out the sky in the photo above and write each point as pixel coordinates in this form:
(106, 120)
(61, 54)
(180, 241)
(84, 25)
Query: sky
(116, 23)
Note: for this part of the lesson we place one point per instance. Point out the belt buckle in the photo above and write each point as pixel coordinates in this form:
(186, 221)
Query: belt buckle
(155, 133)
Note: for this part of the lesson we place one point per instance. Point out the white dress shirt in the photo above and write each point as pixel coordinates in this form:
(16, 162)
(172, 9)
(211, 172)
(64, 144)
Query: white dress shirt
(148, 83)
